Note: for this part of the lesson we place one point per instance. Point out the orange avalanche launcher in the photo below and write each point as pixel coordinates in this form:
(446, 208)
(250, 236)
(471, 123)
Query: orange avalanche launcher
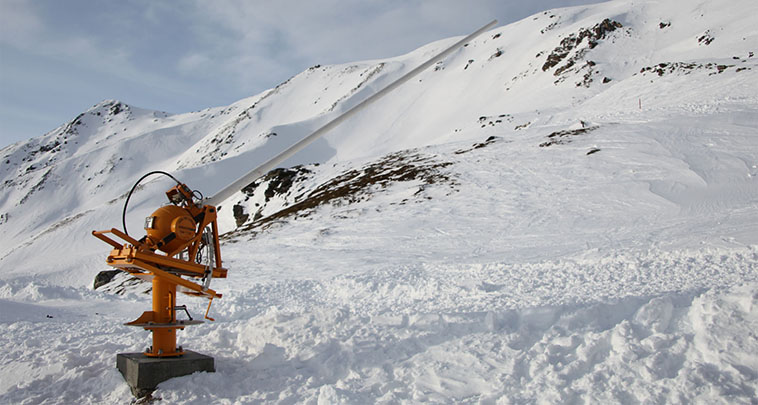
(181, 241)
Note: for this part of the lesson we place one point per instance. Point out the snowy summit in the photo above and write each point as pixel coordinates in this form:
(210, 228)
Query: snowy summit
(565, 210)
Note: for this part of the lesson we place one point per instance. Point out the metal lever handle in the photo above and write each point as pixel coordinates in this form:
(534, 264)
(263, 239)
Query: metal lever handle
(183, 307)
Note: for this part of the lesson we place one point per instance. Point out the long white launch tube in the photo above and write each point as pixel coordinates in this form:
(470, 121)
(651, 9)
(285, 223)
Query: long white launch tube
(264, 168)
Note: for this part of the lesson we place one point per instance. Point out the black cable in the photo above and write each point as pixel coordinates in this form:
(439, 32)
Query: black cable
(126, 203)
(199, 256)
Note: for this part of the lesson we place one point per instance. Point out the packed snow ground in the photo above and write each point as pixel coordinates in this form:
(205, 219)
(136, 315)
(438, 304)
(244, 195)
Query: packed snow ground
(304, 341)
(619, 264)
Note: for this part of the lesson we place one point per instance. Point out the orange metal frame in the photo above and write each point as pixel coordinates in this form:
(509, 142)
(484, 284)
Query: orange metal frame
(140, 259)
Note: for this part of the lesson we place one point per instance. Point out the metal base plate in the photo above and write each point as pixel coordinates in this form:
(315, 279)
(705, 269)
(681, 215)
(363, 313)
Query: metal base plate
(153, 325)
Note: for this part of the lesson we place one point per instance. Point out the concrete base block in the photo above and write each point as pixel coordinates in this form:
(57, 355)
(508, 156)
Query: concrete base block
(143, 373)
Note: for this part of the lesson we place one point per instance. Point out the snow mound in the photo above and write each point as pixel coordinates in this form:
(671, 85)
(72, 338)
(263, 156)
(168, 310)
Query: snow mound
(695, 347)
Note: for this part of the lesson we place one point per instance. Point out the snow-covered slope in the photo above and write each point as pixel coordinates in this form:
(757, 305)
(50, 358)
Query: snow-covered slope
(564, 210)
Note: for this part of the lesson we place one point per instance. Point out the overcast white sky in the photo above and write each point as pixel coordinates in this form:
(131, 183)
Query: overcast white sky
(58, 58)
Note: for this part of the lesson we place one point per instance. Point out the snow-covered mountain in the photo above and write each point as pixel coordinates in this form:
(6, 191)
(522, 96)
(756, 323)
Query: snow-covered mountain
(564, 210)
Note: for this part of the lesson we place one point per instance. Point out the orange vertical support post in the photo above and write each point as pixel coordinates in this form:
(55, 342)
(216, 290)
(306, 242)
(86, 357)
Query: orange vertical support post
(164, 301)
